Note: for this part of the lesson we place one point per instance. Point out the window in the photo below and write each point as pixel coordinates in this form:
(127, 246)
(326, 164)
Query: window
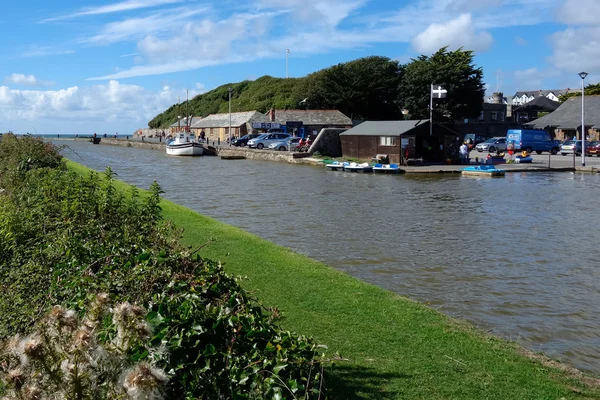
(494, 116)
(481, 116)
(387, 140)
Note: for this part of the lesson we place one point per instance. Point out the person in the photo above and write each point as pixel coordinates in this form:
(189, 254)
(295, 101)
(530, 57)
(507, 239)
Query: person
(464, 153)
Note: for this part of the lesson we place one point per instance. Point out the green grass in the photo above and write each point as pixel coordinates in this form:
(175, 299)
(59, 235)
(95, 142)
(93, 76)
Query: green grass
(396, 348)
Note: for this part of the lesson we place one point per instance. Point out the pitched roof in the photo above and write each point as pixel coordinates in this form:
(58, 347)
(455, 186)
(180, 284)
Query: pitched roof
(568, 115)
(535, 93)
(312, 117)
(183, 121)
(540, 103)
(237, 119)
(384, 128)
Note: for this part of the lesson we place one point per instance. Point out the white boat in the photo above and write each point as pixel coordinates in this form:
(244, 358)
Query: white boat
(483, 170)
(336, 165)
(387, 168)
(184, 144)
(354, 167)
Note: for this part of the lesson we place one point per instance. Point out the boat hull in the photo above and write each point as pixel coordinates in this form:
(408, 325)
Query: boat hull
(484, 173)
(185, 149)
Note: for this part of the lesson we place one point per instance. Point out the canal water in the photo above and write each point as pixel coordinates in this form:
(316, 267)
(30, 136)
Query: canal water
(517, 256)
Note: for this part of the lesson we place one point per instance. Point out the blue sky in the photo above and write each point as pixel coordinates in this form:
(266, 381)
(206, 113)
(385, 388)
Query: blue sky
(112, 66)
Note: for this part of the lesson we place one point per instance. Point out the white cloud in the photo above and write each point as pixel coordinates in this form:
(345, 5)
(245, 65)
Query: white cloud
(520, 41)
(579, 12)
(43, 51)
(113, 8)
(26, 80)
(455, 33)
(576, 49)
(131, 106)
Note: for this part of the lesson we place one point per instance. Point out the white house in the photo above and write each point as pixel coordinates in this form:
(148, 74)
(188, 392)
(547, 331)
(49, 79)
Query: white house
(521, 98)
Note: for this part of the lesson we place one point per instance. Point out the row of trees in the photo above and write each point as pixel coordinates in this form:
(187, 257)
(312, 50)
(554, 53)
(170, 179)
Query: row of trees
(375, 88)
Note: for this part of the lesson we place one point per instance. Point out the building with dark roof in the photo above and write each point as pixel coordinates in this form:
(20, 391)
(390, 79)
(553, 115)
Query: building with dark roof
(309, 122)
(216, 126)
(521, 98)
(565, 121)
(400, 141)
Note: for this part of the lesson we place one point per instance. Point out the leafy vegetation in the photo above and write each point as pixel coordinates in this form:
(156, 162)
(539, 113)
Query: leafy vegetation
(374, 88)
(593, 89)
(64, 237)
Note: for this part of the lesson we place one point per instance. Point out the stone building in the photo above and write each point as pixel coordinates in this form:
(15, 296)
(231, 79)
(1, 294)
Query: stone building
(308, 123)
(216, 126)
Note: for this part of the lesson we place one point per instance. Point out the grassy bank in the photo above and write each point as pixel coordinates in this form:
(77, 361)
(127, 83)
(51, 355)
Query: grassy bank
(395, 348)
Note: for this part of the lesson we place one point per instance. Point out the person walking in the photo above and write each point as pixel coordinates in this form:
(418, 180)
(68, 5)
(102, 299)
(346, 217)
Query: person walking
(464, 153)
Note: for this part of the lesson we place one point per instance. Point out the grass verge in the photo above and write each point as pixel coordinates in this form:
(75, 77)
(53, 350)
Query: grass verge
(395, 348)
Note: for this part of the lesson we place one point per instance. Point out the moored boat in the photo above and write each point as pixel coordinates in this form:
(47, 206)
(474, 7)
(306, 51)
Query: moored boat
(354, 167)
(336, 166)
(483, 170)
(387, 168)
(184, 144)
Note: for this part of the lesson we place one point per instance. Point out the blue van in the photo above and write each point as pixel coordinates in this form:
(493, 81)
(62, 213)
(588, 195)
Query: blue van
(531, 140)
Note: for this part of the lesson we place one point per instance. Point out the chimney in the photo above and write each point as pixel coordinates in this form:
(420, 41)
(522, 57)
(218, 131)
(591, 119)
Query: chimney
(272, 115)
(497, 97)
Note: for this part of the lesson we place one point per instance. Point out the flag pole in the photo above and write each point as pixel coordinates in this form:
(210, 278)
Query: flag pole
(431, 110)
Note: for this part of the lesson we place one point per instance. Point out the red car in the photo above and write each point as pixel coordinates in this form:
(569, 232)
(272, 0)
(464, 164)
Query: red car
(594, 148)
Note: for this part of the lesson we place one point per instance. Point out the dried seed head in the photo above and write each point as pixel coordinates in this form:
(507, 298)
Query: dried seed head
(16, 377)
(82, 338)
(57, 313)
(33, 347)
(144, 380)
(32, 393)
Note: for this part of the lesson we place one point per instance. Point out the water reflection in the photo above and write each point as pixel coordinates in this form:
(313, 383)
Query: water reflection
(513, 255)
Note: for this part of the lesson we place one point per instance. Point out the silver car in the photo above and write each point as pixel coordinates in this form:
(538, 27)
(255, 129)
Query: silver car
(492, 145)
(285, 145)
(266, 139)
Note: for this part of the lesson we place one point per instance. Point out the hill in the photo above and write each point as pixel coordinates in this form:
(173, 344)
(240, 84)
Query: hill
(375, 88)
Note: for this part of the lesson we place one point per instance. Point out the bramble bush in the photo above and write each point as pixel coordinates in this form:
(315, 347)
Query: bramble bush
(64, 238)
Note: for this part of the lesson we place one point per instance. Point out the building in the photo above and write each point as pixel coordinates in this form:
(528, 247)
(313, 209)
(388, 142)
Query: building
(494, 119)
(521, 98)
(531, 110)
(400, 141)
(216, 126)
(497, 98)
(308, 123)
(565, 122)
(180, 125)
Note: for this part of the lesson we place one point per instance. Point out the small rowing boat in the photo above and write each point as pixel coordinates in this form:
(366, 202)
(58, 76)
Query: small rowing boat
(483, 170)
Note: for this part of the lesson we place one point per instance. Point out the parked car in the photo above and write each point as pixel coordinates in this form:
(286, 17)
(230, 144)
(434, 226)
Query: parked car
(472, 140)
(492, 145)
(243, 141)
(285, 145)
(266, 139)
(532, 140)
(568, 146)
(594, 148)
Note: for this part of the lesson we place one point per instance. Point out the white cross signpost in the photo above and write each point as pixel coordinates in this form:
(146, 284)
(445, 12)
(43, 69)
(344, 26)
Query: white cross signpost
(439, 93)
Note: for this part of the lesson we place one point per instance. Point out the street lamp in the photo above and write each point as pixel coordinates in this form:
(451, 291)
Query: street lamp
(582, 75)
(230, 90)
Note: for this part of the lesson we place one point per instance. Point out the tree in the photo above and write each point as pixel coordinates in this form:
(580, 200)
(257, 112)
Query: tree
(455, 71)
(592, 89)
(366, 88)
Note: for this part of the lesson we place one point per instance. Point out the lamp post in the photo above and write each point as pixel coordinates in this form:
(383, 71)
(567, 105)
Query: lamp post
(582, 75)
(230, 90)
(287, 51)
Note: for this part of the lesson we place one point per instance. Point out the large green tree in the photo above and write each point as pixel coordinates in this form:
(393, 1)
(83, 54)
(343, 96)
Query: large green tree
(456, 72)
(367, 88)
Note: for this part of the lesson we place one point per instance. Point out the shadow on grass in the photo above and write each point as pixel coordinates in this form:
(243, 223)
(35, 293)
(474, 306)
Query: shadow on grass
(361, 383)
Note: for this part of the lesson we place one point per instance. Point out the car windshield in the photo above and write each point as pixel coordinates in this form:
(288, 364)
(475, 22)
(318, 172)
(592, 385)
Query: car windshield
(492, 140)
(568, 142)
(264, 135)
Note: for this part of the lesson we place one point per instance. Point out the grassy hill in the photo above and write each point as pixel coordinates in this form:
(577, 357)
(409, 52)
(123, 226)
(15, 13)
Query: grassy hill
(261, 95)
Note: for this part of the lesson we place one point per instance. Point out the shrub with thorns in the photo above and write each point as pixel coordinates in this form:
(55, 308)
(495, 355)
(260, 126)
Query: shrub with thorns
(92, 357)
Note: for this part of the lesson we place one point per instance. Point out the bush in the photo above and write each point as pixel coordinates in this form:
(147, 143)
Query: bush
(63, 237)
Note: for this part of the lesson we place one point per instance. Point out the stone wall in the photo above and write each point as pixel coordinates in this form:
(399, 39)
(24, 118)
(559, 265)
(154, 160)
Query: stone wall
(328, 142)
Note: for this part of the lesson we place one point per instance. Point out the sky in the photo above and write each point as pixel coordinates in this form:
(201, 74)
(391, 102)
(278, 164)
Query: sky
(111, 66)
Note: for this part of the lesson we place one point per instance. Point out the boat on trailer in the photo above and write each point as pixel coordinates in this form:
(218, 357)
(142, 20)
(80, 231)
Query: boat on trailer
(184, 144)
(483, 170)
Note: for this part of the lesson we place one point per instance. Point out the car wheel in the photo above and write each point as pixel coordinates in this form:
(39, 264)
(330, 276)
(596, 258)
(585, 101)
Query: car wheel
(242, 144)
(563, 154)
(529, 150)
(260, 146)
(479, 150)
(554, 151)
(492, 149)
(281, 148)
(538, 152)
